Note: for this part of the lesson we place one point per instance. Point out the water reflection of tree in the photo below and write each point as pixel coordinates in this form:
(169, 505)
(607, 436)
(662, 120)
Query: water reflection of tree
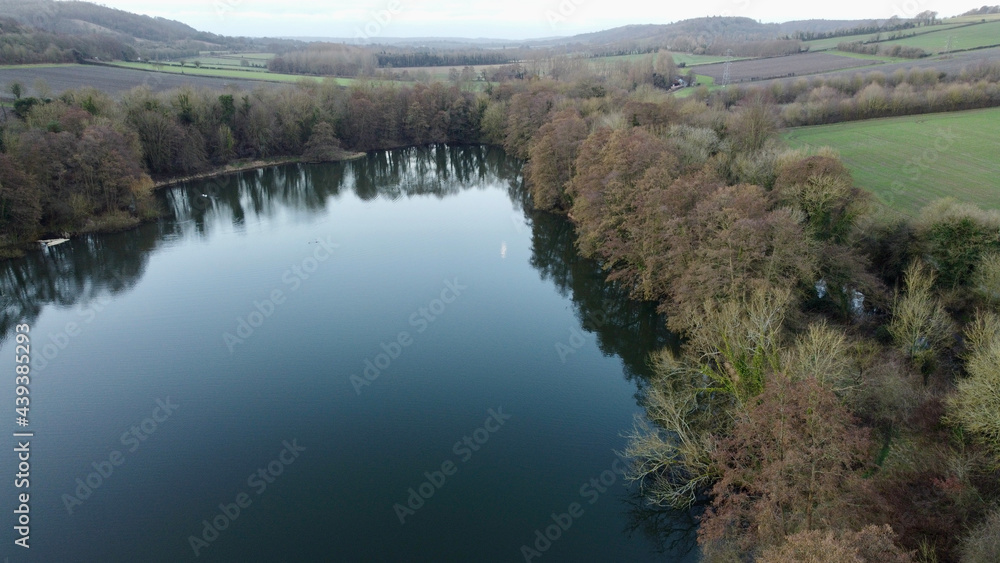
(670, 531)
(78, 271)
(440, 170)
(96, 265)
(624, 328)
(82, 269)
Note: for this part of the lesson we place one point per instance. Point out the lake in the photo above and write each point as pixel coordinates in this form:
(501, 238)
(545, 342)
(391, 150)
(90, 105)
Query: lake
(389, 359)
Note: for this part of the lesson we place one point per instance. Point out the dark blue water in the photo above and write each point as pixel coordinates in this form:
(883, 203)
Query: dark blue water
(391, 359)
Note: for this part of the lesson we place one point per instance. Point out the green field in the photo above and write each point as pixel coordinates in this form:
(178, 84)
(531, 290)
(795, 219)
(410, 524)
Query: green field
(258, 56)
(38, 65)
(966, 37)
(970, 19)
(225, 54)
(231, 61)
(907, 162)
(694, 60)
(687, 58)
(225, 73)
(706, 81)
(832, 42)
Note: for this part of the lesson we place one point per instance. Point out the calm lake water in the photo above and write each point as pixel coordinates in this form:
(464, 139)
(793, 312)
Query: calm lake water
(392, 359)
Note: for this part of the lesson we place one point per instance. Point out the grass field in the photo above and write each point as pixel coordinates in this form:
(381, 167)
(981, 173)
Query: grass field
(972, 19)
(258, 56)
(231, 61)
(706, 81)
(966, 37)
(907, 162)
(226, 73)
(39, 65)
(694, 60)
(832, 42)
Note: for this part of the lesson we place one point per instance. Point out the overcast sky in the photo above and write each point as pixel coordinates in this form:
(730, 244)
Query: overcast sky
(509, 19)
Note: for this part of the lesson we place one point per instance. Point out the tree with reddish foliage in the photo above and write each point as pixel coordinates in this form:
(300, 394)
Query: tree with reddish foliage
(871, 544)
(527, 112)
(733, 241)
(106, 170)
(552, 157)
(793, 462)
(605, 188)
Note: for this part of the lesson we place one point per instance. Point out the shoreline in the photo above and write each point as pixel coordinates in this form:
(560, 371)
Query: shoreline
(21, 248)
(243, 167)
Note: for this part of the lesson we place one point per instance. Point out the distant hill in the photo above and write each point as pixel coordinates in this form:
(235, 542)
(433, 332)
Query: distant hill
(698, 31)
(985, 10)
(101, 32)
(79, 18)
(703, 29)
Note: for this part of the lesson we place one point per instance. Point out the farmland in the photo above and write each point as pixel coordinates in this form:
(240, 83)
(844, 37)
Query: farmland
(233, 60)
(114, 80)
(950, 64)
(962, 38)
(832, 42)
(687, 59)
(908, 162)
(219, 73)
(780, 67)
(973, 19)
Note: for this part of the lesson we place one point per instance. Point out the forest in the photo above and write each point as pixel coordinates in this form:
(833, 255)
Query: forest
(835, 396)
(20, 45)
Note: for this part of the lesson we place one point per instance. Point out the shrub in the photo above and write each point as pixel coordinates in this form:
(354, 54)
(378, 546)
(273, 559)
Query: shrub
(953, 236)
(986, 278)
(983, 543)
(793, 462)
(872, 544)
(920, 326)
(975, 406)
(672, 456)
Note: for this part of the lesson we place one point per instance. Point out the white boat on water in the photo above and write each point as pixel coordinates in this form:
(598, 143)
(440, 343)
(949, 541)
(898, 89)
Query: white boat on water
(52, 241)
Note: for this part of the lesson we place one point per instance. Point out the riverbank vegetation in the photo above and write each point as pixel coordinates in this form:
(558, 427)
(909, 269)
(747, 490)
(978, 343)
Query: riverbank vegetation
(835, 397)
(832, 399)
